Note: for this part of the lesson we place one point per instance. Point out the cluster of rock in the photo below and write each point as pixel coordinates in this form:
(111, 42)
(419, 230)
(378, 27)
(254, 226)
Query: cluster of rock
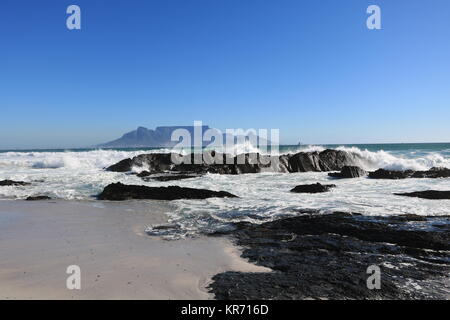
(13, 183)
(356, 172)
(159, 167)
(392, 174)
(315, 256)
(328, 160)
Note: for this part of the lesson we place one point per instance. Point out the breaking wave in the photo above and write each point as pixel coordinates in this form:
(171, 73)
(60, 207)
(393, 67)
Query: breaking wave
(382, 159)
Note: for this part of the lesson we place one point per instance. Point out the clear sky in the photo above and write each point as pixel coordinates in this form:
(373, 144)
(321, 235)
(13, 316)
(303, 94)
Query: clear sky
(309, 68)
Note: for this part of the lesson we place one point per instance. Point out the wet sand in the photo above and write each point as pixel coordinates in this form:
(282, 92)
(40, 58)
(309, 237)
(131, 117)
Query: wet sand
(39, 240)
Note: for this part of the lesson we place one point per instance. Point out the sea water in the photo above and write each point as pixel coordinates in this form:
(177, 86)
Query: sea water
(80, 175)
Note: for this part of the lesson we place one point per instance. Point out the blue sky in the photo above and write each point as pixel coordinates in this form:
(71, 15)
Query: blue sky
(309, 68)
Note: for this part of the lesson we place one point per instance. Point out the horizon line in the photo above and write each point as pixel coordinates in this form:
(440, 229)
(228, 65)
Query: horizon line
(284, 145)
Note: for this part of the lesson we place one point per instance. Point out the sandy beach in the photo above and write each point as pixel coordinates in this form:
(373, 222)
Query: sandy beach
(39, 240)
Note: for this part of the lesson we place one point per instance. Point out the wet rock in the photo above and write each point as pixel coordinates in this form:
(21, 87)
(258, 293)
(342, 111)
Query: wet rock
(144, 174)
(333, 160)
(327, 257)
(428, 194)
(155, 162)
(436, 172)
(304, 162)
(391, 174)
(219, 163)
(13, 183)
(313, 188)
(38, 198)
(171, 177)
(121, 166)
(349, 172)
(119, 192)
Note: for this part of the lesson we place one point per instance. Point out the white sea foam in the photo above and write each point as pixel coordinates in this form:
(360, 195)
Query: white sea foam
(370, 160)
(265, 196)
(382, 159)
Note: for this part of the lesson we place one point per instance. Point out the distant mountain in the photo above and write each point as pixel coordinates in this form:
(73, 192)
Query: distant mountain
(147, 138)
(143, 137)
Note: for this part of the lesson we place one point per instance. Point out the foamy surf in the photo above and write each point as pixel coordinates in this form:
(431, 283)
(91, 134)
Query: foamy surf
(80, 175)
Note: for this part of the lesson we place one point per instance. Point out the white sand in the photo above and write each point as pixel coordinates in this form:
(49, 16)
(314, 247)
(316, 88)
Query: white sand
(39, 240)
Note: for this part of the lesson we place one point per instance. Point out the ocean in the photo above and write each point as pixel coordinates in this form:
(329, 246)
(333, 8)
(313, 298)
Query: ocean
(77, 174)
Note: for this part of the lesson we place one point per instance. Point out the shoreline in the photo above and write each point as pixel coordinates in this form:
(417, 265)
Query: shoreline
(39, 240)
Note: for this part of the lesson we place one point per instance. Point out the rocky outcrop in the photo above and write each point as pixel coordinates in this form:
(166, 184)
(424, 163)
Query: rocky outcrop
(428, 194)
(38, 198)
(154, 162)
(313, 188)
(349, 172)
(328, 160)
(437, 172)
(121, 166)
(316, 256)
(119, 192)
(147, 176)
(13, 183)
(391, 174)
(171, 177)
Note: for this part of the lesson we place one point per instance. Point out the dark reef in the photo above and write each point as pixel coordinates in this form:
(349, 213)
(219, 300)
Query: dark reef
(390, 174)
(38, 198)
(120, 192)
(428, 194)
(327, 256)
(313, 188)
(212, 162)
(13, 183)
(348, 172)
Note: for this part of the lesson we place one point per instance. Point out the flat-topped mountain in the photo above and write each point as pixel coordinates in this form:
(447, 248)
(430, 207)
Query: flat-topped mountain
(143, 137)
(160, 137)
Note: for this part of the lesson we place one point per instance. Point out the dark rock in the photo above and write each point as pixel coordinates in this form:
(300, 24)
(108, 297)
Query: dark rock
(171, 177)
(121, 166)
(349, 172)
(304, 162)
(244, 163)
(119, 191)
(333, 160)
(177, 175)
(433, 173)
(391, 174)
(313, 188)
(144, 174)
(428, 194)
(327, 257)
(37, 198)
(13, 183)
